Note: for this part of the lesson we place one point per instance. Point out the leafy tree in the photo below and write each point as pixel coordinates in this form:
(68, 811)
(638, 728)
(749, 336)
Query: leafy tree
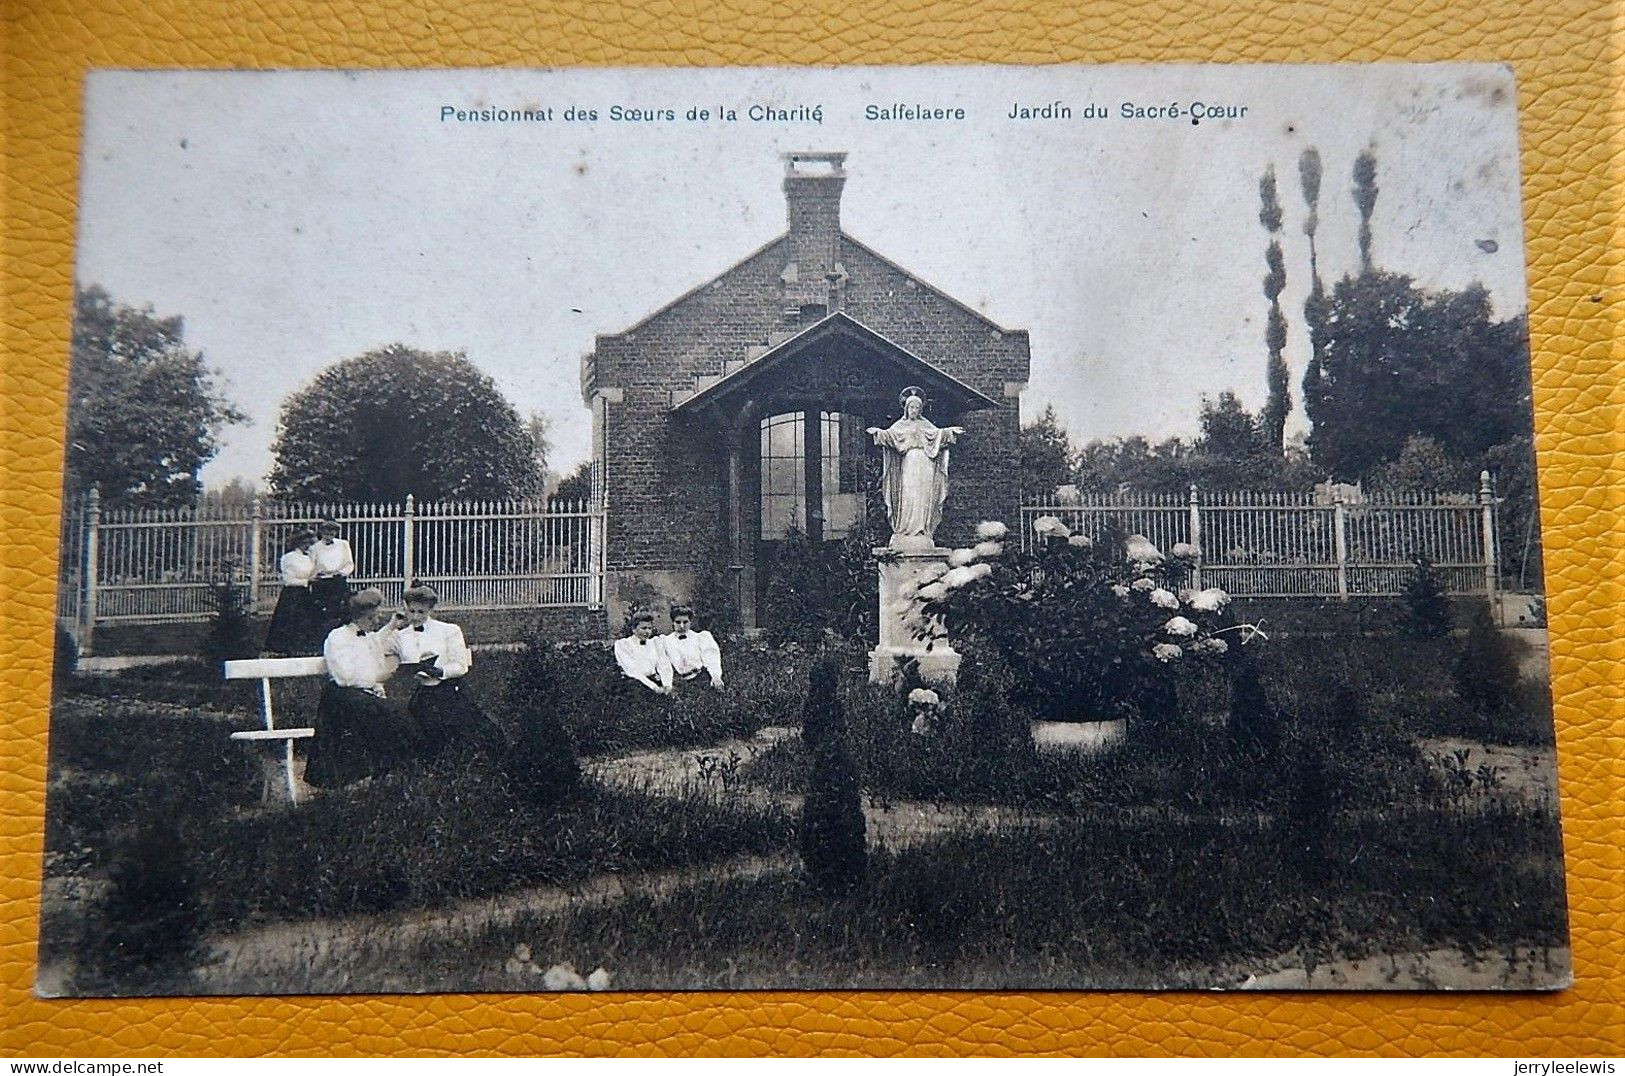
(1121, 464)
(537, 427)
(144, 411)
(1220, 459)
(1272, 423)
(397, 421)
(833, 847)
(238, 492)
(1512, 464)
(577, 486)
(1400, 361)
(1229, 430)
(1046, 458)
(1422, 464)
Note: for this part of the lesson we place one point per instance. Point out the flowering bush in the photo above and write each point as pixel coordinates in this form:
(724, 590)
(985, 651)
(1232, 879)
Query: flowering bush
(1089, 630)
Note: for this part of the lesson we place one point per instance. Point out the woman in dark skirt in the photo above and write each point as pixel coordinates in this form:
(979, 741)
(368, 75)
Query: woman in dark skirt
(297, 626)
(358, 733)
(330, 584)
(448, 719)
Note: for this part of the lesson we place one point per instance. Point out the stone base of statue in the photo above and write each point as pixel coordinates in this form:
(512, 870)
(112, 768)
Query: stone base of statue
(903, 566)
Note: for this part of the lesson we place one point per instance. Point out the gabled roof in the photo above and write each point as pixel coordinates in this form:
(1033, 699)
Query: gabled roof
(782, 238)
(911, 369)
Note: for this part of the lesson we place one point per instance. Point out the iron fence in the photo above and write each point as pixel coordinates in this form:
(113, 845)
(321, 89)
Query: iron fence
(1302, 545)
(158, 566)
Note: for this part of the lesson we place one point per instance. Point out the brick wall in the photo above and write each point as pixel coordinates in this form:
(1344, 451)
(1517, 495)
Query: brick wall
(666, 475)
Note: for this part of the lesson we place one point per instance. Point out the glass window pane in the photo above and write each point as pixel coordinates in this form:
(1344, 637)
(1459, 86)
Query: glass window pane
(784, 436)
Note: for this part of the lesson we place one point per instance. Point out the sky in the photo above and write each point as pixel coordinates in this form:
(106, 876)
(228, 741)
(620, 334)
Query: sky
(295, 219)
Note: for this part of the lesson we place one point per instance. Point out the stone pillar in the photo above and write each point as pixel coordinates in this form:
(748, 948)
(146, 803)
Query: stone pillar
(900, 570)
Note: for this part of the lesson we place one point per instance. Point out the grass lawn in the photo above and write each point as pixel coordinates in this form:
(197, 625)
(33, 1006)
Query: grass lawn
(764, 687)
(1122, 903)
(1173, 860)
(156, 837)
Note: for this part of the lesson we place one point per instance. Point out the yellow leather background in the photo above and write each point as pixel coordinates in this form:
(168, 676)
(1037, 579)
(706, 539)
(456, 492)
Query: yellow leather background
(1566, 58)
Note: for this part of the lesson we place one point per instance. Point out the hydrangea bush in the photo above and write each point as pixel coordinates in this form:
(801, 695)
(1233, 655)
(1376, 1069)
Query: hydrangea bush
(1089, 630)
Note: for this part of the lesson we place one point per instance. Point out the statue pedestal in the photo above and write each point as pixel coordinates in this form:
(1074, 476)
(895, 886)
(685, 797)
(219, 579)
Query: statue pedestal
(898, 569)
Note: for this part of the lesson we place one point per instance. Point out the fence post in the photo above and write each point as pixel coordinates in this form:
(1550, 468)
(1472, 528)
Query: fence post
(407, 551)
(256, 535)
(599, 529)
(92, 566)
(1492, 557)
(1341, 543)
(1196, 537)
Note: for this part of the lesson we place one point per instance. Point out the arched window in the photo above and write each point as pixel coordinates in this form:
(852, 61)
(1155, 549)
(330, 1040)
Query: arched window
(834, 485)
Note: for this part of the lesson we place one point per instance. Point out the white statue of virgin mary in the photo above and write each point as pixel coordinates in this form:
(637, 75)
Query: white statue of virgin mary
(915, 481)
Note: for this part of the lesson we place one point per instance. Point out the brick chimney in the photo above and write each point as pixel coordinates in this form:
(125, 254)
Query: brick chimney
(813, 279)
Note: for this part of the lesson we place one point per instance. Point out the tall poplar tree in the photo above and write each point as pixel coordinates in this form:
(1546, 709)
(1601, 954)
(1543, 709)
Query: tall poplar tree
(1365, 197)
(1273, 419)
(1314, 307)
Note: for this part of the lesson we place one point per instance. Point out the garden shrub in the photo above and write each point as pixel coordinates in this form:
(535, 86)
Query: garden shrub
(1425, 605)
(601, 717)
(64, 657)
(1253, 721)
(832, 834)
(822, 588)
(150, 923)
(230, 636)
(542, 763)
(1091, 630)
(1486, 667)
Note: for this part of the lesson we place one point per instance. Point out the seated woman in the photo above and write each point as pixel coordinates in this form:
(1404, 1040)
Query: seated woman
(330, 585)
(297, 626)
(434, 651)
(358, 733)
(641, 657)
(695, 658)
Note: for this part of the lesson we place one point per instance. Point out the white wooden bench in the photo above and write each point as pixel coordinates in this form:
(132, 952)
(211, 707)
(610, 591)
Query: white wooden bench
(265, 670)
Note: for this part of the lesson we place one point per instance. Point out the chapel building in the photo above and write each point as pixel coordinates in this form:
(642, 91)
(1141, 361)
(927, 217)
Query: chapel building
(737, 411)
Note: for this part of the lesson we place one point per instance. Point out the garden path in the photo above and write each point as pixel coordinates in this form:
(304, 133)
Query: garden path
(687, 772)
(365, 951)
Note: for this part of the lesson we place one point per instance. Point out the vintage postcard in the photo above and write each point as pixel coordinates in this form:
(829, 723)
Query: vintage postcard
(918, 528)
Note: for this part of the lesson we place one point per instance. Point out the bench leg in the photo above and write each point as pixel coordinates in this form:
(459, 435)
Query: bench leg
(287, 766)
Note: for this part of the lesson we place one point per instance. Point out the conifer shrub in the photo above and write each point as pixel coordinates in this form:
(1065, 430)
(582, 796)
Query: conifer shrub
(1486, 668)
(1253, 721)
(832, 834)
(230, 636)
(1425, 607)
(65, 657)
(150, 924)
(542, 765)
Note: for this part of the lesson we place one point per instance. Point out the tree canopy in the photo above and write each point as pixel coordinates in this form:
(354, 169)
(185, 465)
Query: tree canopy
(396, 421)
(1399, 362)
(1046, 458)
(144, 411)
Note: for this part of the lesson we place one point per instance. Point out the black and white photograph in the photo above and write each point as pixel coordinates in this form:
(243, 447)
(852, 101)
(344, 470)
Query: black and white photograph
(956, 528)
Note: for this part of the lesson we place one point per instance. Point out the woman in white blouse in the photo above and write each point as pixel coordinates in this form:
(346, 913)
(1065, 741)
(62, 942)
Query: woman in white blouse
(334, 564)
(447, 717)
(695, 658)
(358, 733)
(642, 659)
(297, 627)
